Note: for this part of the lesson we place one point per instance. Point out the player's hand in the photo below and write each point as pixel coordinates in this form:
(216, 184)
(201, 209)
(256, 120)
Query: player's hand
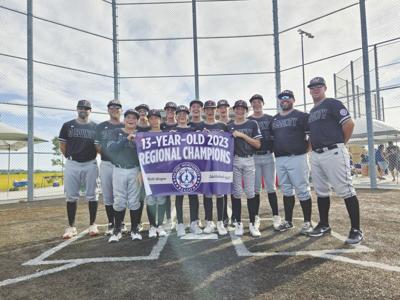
(130, 137)
(139, 178)
(238, 134)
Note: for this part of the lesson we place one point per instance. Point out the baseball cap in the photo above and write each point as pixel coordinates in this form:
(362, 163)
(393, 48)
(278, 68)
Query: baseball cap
(287, 93)
(222, 102)
(114, 102)
(241, 103)
(183, 108)
(195, 101)
(170, 105)
(84, 103)
(210, 104)
(316, 81)
(257, 96)
(142, 106)
(131, 112)
(154, 112)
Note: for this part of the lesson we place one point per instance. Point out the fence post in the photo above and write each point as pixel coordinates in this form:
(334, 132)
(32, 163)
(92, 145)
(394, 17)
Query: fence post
(115, 49)
(358, 101)
(195, 51)
(353, 91)
(276, 51)
(30, 99)
(335, 84)
(347, 94)
(383, 110)
(377, 84)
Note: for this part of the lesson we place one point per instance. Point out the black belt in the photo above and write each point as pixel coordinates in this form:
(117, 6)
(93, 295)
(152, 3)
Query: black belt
(326, 148)
(244, 156)
(80, 161)
(125, 166)
(264, 152)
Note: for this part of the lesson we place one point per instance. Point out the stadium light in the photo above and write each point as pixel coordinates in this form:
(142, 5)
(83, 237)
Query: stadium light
(310, 36)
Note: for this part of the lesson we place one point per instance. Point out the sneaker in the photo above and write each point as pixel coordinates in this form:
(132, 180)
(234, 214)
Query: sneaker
(180, 230)
(320, 230)
(152, 232)
(140, 227)
(226, 222)
(286, 225)
(210, 227)
(93, 230)
(355, 237)
(276, 222)
(257, 222)
(221, 228)
(306, 228)
(69, 233)
(239, 229)
(195, 228)
(115, 237)
(135, 235)
(254, 230)
(161, 231)
(110, 229)
(124, 229)
(169, 225)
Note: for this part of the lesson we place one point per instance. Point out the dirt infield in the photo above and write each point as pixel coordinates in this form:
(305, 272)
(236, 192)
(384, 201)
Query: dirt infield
(35, 262)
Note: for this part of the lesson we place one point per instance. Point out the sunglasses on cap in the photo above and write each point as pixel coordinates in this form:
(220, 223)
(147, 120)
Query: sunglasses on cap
(285, 98)
(114, 106)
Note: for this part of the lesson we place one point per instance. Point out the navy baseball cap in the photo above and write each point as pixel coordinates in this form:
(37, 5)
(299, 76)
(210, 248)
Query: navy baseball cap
(257, 96)
(142, 106)
(154, 112)
(183, 108)
(284, 94)
(316, 81)
(131, 112)
(222, 102)
(84, 103)
(195, 101)
(241, 103)
(210, 104)
(114, 102)
(170, 105)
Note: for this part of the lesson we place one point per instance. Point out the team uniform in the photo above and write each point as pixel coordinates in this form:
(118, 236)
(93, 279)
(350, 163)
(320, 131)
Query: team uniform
(330, 162)
(81, 169)
(126, 186)
(104, 133)
(243, 170)
(291, 145)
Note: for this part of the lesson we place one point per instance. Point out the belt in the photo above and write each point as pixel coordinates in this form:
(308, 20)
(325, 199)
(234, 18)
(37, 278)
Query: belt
(244, 156)
(80, 161)
(125, 166)
(264, 152)
(324, 149)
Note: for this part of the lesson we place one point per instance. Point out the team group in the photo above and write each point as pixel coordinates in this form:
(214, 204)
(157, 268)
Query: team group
(265, 147)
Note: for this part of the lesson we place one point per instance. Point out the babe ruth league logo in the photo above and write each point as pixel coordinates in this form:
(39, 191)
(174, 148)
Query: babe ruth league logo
(343, 112)
(186, 177)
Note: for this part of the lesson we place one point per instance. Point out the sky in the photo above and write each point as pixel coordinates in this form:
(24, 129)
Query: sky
(55, 87)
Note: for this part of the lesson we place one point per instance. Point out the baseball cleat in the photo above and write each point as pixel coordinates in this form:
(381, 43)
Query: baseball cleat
(136, 236)
(210, 227)
(110, 229)
(152, 232)
(276, 222)
(320, 230)
(93, 230)
(195, 228)
(239, 229)
(286, 225)
(355, 237)
(306, 228)
(254, 231)
(221, 228)
(161, 231)
(115, 237)
(69, 233)
(180, 230)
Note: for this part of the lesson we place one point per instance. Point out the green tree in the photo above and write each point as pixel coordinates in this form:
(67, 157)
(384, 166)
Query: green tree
(59, 158)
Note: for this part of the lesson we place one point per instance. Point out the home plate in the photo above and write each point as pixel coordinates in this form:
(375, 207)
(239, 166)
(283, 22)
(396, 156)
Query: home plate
(192, 236)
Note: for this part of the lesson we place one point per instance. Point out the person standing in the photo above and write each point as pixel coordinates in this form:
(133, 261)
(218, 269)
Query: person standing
(77, 144)
(331, 127)
(393, 156)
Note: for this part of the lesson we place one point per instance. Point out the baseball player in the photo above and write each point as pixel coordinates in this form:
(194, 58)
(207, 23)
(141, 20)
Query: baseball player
(223, 112)
(265, 161)
(155, 204)
(247, 139)
(182, 115)
(212, 126)
(77, 144)
(126, 175)
(170, 123)
(331, 127)
(104, 132)
(289, 129)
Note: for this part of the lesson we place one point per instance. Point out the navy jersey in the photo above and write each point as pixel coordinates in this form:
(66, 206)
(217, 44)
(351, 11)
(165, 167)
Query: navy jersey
(182, 129)
(195, 125)
(167, 127)
(217, 126)
(250, 128)
(267, 143)
(325, 121)
(80, 140)
(290, 133)
(143, 128)
(122, 151)
(104, 132)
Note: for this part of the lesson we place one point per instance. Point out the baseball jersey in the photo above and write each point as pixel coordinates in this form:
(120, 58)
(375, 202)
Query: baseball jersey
(123, 152)
(290, 133)
(216, 126)
(194, 125)
(143, 128)
(80, 140)
(167, 127)
(250, 128)
(182, 129)
(104, 132)
(325, 121)
(267, 142)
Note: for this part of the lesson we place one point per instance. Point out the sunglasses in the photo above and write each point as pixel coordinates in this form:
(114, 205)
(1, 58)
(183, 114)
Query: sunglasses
(285, 98)
(114, 107)
(83, 108)
(316, 87)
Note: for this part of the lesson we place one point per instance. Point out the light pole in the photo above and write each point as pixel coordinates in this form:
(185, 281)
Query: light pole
(310, 36)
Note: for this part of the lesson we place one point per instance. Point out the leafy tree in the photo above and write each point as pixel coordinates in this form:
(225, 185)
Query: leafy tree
(59, 158)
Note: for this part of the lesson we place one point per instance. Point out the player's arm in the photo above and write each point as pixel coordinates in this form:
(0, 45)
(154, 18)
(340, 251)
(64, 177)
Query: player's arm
(98, 148)
(63, 148)
(347, 128)
(256, 143)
